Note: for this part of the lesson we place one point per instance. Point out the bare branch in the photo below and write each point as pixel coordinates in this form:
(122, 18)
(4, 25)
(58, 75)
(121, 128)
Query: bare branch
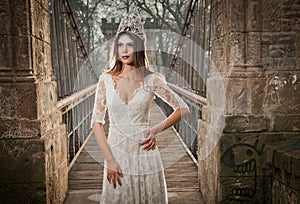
(174, 14)
(144, 7)
(94, 8)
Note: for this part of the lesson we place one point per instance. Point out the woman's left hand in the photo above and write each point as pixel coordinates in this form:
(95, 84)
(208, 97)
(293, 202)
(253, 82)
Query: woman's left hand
(150, 141)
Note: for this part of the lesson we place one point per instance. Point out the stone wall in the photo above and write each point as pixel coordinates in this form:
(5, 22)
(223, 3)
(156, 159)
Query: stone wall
(32, 137)
(284, 159)
(256, 48)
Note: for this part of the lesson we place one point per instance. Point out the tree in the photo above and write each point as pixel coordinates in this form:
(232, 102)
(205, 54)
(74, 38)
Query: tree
(87, 13)
(170, 15)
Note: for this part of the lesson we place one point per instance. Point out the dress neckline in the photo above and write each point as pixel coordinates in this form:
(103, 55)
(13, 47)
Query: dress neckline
(134, 93)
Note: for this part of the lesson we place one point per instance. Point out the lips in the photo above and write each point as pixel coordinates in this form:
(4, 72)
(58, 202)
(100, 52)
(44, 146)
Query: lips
(125, 57)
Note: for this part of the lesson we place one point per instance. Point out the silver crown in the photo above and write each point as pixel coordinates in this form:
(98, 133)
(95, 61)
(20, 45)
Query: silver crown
(132, 22)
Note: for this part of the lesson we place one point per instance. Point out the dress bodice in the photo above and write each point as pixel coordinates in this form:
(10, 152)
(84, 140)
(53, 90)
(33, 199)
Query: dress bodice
(136, 110)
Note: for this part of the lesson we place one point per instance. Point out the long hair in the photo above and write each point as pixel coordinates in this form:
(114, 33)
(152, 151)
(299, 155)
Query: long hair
(140, 58)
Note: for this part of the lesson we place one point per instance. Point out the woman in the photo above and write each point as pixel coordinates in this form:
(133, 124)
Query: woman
(133, 170)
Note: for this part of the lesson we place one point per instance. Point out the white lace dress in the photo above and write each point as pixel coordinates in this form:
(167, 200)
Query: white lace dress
(143, 180)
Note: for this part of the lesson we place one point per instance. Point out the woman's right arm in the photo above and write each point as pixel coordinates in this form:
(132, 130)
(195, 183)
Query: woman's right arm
(102, 141)
(113, 169)
(98, 119)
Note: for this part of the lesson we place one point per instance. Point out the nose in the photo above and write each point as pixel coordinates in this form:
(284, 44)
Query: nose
(125, 49)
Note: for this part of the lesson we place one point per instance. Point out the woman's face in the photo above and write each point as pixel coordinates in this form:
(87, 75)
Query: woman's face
(126, 49)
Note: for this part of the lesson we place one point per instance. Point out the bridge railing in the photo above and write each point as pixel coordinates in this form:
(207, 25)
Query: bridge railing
(76, 112)
(75, 88)
(191, 63)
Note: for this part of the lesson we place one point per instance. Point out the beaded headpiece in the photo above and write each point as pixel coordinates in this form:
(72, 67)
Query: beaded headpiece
(132, 22)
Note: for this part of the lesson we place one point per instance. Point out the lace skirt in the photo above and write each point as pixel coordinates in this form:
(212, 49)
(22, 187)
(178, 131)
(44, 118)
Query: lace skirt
(143, 180)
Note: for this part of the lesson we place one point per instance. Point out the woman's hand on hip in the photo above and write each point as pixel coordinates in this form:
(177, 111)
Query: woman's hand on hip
(149, 142)
(114, 173)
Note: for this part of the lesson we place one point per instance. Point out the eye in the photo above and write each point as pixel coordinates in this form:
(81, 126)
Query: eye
(119, 44)
(130, 45)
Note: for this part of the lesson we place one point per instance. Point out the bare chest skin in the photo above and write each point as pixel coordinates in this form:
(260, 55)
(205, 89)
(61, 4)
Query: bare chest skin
(127, 87)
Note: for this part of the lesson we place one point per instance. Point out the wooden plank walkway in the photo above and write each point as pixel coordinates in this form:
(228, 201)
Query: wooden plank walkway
(85, 177)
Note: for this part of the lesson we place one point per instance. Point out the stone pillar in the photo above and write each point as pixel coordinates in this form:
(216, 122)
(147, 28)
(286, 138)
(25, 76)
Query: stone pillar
(256, 50)
(33, 140)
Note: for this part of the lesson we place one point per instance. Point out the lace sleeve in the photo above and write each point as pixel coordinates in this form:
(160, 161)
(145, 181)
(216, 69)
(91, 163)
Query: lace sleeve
(100, 107)
(162, 90)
